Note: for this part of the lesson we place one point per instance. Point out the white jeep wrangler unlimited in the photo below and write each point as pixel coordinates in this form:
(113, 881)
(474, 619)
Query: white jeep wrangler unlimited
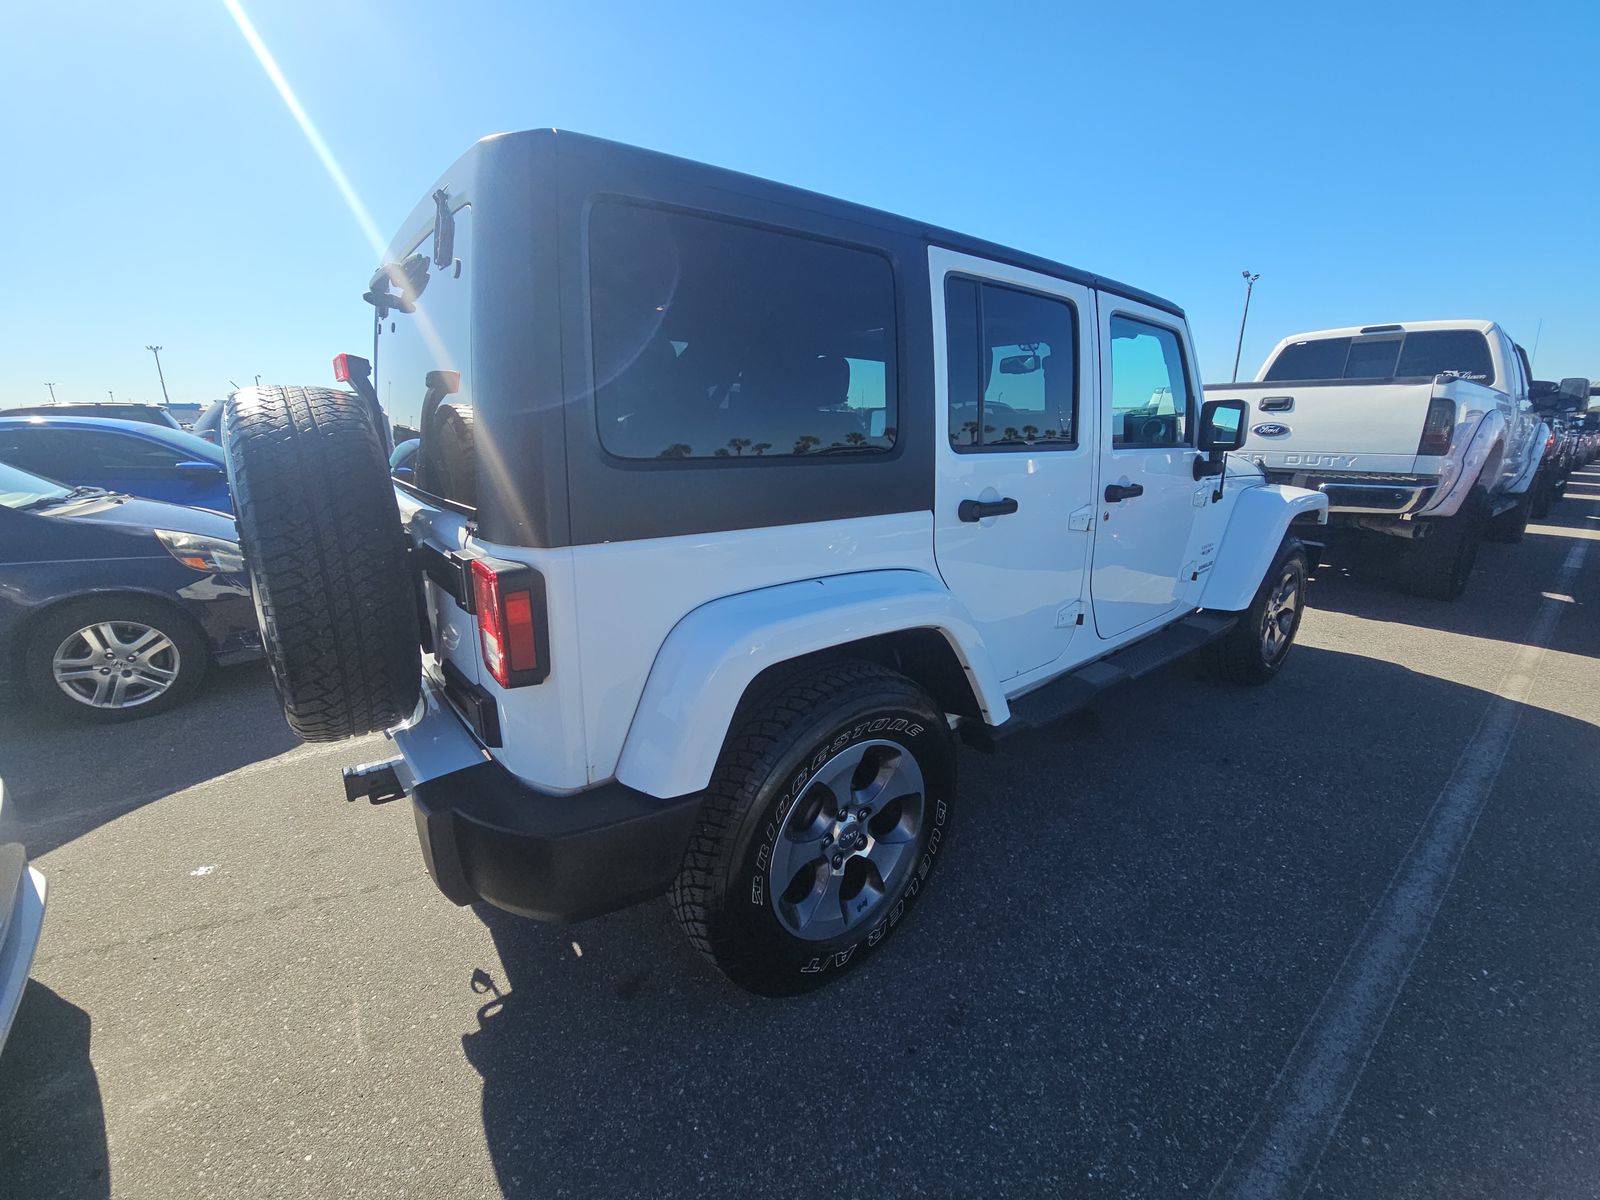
(735, 508)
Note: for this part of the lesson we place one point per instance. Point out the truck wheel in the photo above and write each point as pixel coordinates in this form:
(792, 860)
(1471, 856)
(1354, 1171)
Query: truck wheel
(327, 559)
(1439, 565)
(1543, 492)
(1510, 525)
(1254, 650)
(824, 818)
(114, 658)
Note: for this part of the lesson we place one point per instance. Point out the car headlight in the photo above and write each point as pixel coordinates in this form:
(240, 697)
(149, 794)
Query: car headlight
(199, 553)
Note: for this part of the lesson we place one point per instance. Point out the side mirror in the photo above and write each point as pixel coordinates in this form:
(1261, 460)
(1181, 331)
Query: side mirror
(1222, 425)
(1222, 428)
(197, 467)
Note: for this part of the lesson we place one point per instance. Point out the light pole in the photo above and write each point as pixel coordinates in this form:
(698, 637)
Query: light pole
(52, 388)
(111, 396)
(1249, 286)
(156, 350)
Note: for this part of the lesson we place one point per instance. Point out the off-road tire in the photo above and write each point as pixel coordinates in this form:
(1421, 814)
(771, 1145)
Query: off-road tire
(1439, 566)
(1242, 655)
(779, 737)
(1544, 495)
(1508, 527)
(326, 557)
(46, 634)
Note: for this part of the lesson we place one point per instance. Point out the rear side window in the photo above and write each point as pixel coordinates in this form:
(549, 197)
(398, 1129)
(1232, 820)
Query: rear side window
(714, 339)
(63, 453)
(1012, 367)
(1420, 354)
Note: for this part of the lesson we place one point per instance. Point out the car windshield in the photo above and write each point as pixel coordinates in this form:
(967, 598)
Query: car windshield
(19, 489)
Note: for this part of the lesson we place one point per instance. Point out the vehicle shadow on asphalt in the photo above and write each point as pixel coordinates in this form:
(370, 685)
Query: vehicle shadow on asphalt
(1354, 578)
(64, 779)
(1096, 1006)
(52, 1122)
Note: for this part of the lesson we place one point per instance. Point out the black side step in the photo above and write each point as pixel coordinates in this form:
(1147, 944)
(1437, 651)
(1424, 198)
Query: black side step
(1077, 689)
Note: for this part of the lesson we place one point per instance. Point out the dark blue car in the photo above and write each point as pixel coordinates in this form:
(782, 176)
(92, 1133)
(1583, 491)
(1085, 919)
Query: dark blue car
(133, 457)
(111, 606)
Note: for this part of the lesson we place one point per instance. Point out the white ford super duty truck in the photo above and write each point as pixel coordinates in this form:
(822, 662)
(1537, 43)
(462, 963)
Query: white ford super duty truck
(1422, 431)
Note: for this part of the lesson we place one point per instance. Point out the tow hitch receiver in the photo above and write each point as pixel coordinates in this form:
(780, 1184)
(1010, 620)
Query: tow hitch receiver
(375, 782)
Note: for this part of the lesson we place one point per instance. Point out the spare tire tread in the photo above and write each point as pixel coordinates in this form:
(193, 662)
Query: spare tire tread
(327, 558)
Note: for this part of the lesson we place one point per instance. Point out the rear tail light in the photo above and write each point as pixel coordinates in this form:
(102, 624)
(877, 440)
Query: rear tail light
(1550, 444)
(508, 599)
(1438, 428)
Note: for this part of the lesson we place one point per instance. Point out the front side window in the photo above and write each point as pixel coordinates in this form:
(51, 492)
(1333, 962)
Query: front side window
(1150, 398)
(719, 340)
(1012, 367)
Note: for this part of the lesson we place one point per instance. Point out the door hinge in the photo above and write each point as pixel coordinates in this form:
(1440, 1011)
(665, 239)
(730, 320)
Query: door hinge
(1082, 520)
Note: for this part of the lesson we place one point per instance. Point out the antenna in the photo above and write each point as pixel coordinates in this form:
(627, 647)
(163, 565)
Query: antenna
(1534, 357)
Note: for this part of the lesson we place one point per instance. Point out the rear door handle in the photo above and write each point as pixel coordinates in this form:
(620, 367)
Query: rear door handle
(1123, 491)
(977, 510)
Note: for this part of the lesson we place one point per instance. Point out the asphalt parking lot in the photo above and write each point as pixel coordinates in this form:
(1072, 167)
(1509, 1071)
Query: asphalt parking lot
(1140, 972)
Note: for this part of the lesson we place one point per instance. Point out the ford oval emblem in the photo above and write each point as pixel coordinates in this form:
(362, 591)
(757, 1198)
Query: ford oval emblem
(1270, 429)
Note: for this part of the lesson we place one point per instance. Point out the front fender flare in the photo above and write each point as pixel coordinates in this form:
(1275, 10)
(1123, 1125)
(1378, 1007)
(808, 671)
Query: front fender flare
(1261, 517)
(713, 653)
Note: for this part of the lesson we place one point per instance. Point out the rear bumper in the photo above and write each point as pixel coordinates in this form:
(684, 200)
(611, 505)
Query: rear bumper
(486, 835)
(1365, 496)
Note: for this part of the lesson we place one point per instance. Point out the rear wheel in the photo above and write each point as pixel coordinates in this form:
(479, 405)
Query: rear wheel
(1509, 526)
(1255, 649)
(114, 658)
(327, 558)
(1438, 567)
(822, 823)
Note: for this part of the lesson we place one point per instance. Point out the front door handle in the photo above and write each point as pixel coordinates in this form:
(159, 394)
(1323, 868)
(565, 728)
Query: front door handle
(1123, 491)
(977, 510)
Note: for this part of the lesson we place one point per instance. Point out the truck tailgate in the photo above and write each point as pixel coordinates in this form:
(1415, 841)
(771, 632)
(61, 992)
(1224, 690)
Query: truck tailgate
(1333, 427)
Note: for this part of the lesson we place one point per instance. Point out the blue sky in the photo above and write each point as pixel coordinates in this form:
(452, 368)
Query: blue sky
(1379, 163)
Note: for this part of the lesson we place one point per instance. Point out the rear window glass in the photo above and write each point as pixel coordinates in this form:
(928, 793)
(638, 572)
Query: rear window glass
(1421, 354)
(718, 340)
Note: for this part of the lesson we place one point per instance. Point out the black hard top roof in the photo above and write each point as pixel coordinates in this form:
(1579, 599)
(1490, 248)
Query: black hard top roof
(736, 181)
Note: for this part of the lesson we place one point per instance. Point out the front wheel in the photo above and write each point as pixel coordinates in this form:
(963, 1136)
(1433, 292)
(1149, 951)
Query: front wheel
(823, 821)
(114, 658)
(1255, 649)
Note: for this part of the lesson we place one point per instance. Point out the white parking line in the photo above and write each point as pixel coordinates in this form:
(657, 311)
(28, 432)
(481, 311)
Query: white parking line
(1278, 1155)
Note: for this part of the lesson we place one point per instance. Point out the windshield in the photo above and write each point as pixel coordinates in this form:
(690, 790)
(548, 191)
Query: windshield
(19, 489)
(1418, 355)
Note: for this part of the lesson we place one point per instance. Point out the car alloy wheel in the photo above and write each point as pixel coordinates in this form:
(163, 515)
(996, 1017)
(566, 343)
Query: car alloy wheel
(116, 664)
(848, 840)
(1282, 613)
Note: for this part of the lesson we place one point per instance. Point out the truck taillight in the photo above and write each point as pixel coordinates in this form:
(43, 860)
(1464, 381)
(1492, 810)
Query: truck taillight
(1438, 428)
(508, 599)
(1550, 444)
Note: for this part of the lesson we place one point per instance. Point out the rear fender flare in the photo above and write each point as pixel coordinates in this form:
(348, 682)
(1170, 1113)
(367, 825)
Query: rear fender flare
(1260, 520)
(711, 656)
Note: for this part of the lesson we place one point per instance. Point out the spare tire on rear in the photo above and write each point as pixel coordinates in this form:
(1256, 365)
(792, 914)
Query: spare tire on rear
(326, 554)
